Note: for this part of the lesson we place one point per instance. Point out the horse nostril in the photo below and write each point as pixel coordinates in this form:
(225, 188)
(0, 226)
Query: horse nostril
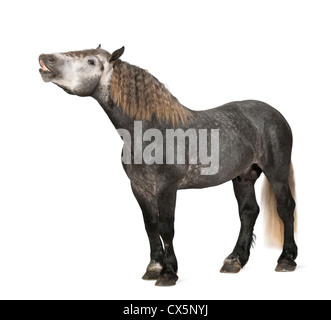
(50, 59)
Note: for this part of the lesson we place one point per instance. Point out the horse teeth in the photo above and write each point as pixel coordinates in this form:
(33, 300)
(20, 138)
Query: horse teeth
(43, 67)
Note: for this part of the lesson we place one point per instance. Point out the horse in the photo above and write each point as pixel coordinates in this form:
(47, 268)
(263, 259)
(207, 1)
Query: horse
(250, 137)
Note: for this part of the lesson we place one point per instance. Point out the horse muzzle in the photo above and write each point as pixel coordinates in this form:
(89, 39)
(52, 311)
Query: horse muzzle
(47, 71)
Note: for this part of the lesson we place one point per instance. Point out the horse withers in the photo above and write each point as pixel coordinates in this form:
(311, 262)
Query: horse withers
(168, 147)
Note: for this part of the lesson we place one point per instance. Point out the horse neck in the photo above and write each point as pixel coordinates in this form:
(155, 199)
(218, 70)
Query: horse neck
(116, 114)
(166, 110)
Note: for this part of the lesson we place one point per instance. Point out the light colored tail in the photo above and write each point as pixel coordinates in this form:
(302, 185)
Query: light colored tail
(274, 225)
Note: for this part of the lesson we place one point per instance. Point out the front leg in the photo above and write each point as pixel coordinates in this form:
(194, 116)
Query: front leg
(166, 203)
(149, 208)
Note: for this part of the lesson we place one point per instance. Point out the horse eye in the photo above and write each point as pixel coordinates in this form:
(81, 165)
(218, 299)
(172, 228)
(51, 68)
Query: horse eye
(91, 62)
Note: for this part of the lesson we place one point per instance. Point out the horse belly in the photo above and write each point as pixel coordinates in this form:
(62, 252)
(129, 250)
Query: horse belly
(233, 161)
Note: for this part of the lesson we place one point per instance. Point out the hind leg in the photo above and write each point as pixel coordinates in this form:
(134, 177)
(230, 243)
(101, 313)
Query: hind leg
(248, 212)
(285, 209)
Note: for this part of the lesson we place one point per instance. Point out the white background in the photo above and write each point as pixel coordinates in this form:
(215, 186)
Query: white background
(70, 227)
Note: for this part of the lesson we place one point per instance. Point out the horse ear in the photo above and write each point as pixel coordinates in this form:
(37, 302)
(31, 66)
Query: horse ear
(99, 47)
(116, 54)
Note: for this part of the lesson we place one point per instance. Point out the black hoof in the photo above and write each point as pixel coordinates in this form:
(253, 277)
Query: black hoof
(286, 266)
(231, 266)
(153, 271)
(167, 280)
(151, 275)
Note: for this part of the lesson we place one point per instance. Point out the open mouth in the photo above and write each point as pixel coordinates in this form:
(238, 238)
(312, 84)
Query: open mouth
(46, 73)
(43, 66)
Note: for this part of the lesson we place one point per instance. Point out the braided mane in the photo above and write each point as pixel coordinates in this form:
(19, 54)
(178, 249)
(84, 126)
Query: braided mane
(143, 97)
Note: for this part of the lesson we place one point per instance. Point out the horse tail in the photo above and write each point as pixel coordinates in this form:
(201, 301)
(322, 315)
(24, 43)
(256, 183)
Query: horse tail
(274, 225)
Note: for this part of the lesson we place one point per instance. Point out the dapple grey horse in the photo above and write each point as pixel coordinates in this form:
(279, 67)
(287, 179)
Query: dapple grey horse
(250, 137)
